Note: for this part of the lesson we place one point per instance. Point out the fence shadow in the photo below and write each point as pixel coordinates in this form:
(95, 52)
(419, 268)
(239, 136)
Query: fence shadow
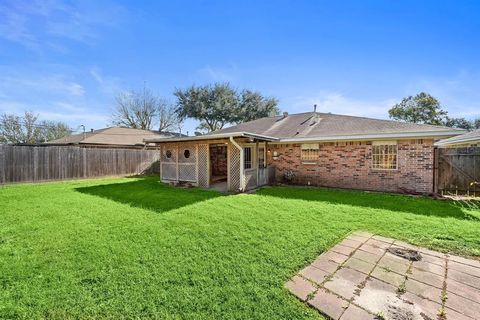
(393, 202)
(149, 193)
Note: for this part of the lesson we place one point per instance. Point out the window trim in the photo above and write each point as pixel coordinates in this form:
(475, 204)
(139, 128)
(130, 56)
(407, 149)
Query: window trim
(384, 144)
(314, 153)
(250, 153)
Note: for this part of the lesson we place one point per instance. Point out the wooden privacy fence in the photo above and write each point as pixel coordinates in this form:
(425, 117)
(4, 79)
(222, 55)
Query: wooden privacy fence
(457, 171)
(32, 164)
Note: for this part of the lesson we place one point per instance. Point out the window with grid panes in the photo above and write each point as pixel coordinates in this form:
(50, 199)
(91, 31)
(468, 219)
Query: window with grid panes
(309, 152)
(384, 155)
(247, 158)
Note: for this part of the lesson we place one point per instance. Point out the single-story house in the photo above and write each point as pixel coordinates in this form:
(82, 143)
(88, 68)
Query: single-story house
(311, 148)
(469, 139)
(112, 137)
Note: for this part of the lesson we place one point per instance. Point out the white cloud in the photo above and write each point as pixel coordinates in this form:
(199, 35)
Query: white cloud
(107, 84)
(336, 102)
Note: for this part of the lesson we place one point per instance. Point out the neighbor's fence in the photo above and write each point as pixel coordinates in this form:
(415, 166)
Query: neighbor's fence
(34, 164)
(457, 171)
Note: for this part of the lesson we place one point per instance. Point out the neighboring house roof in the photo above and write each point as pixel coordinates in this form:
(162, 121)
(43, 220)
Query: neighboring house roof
(470, 137)
(316, 126)
(113, 136)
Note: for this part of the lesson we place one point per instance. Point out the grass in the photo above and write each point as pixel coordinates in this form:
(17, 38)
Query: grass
(133, 248)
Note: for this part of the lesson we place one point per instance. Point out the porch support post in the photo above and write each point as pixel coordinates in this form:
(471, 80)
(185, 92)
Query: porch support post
(265, 154)
(160, 161)
(257, 168)
(242, 178)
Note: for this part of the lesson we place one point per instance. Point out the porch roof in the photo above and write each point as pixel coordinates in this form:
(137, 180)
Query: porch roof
(213, 137)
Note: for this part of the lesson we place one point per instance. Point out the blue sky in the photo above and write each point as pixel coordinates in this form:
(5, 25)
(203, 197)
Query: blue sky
(66, 60)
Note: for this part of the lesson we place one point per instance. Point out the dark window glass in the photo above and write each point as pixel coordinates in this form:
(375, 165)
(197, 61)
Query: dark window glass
(168, 154)
(186, 154)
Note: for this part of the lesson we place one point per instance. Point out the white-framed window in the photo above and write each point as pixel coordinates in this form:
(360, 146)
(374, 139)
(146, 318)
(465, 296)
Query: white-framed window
(247, 157)
(384, 155)
(309, 152)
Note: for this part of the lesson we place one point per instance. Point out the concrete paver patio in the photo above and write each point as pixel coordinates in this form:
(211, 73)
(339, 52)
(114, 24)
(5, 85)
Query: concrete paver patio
(364, 277)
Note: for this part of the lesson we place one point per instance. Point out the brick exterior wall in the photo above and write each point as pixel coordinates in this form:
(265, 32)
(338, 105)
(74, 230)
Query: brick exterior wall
(349, 165)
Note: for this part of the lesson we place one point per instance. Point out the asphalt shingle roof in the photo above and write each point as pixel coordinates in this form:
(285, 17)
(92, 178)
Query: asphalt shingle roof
(113, 136)
(311, 124)
(464, 138)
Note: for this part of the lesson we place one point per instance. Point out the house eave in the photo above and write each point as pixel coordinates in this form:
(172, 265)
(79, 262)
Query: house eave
(374, 136)
(447, 142)
(213, 137)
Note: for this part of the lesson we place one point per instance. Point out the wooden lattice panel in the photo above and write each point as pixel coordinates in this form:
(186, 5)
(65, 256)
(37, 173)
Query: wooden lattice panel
(203, 166)
(172, 150)
(186, 153)
(250, 179)
(234, 158)
(169, 171)
(187, 172)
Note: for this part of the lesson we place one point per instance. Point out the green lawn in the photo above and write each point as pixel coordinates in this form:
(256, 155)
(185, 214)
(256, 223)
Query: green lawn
(133, 248)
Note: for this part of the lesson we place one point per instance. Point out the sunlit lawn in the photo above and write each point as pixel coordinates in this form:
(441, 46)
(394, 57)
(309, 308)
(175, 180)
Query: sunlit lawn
(134, 248)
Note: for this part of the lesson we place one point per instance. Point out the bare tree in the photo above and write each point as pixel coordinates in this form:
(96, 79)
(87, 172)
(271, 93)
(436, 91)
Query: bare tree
(167, 117)
(27, 129)
(143, 110)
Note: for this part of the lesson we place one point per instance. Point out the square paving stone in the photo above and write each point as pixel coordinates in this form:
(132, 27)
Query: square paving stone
(380, 238)
(367, 256)
(462, 305)
(300, 287)
(405, 245)
(355, 313)
(324, 264)
(434, 260)
(363, 234)
(328, 304)
(422, 307)
(376, 296)
(463, 290)
(345, 282)
(454, 315)
(465, 268)
(372, 249)
(389, 277)
(424, 290)
(335, 257)
(430, 267)
(357, 238)
(470, 262)
(427, 277)
(351, 243)
(378, 244)
(464, 278)
(359, 265)
(342, 249)
(314, 274)
(395, 264)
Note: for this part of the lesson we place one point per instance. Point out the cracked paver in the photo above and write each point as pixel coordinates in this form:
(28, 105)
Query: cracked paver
(359, 279)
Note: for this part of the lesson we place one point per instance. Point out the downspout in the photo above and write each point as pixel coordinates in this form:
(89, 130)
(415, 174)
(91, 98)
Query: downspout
(242, 179)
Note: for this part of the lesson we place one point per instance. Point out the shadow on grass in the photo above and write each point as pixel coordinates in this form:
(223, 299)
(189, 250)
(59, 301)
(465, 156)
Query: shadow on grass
(393, 202)
(149, 193)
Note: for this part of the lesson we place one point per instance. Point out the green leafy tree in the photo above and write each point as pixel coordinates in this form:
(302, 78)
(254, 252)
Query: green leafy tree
(219, 104)
(253, 105)
(422, 108)
(461, 123)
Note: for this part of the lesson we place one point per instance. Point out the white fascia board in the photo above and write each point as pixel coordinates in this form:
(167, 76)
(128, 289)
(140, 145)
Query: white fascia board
(402, 135)
(211, 137)
(456, 141)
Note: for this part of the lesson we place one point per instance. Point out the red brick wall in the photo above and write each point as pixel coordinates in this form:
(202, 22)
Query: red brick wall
(349, 165)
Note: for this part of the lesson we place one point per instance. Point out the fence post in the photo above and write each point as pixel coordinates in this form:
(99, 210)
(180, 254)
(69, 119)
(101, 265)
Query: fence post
(2, 165)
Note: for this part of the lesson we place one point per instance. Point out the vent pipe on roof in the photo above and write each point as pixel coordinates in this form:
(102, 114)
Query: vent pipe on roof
(315, 108)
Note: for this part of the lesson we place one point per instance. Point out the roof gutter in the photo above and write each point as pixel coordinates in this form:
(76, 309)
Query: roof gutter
(212, 136)
(456, 141)
(433, 134)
